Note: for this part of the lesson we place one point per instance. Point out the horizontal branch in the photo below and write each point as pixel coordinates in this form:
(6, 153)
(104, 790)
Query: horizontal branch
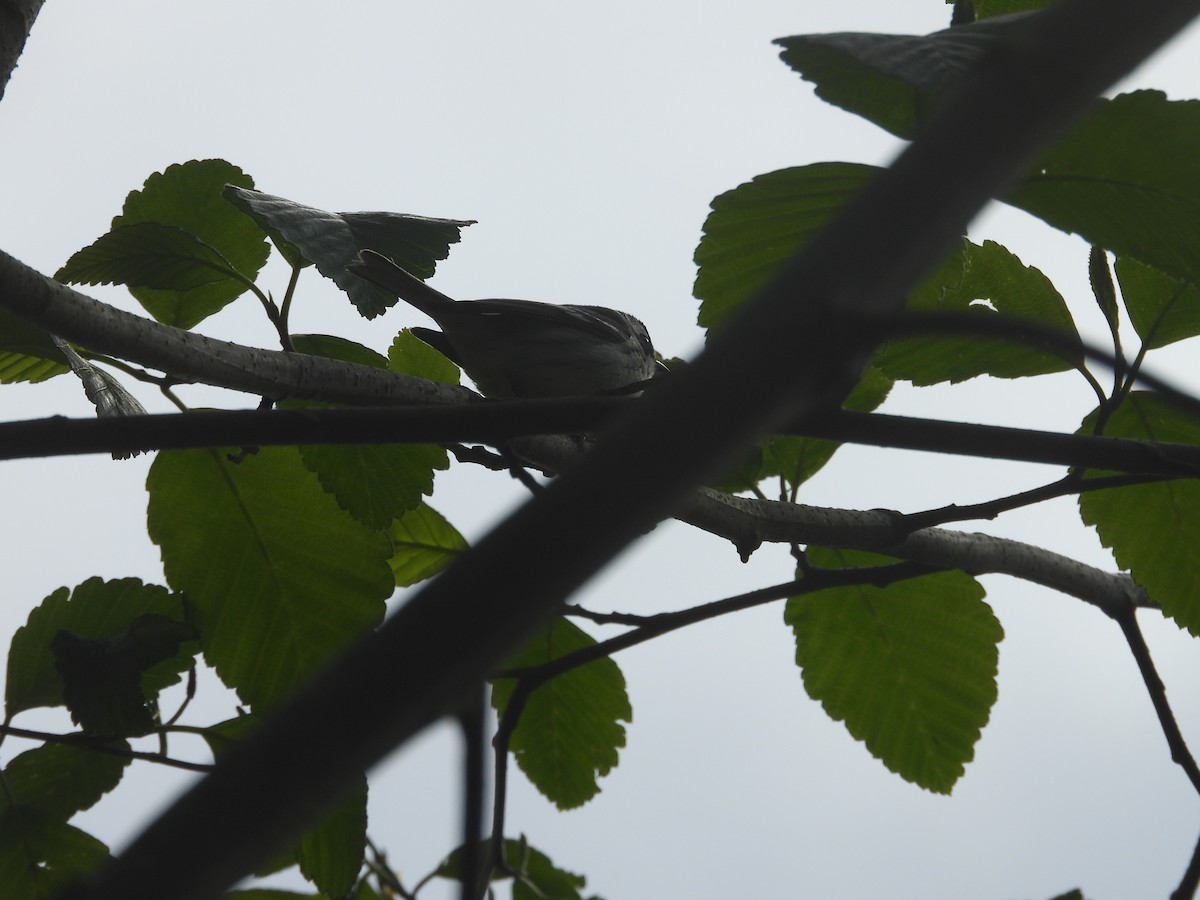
(499, 421)
(749, 522)
(189, 356)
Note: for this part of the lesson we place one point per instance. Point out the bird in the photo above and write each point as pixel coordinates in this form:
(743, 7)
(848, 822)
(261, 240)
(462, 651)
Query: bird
(525, 348)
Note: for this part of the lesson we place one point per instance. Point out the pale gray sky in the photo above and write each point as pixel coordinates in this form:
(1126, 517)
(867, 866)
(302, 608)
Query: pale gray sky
(588, 141)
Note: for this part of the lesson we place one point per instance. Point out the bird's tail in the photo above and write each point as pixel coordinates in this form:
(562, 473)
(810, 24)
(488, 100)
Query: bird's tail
(381, 271)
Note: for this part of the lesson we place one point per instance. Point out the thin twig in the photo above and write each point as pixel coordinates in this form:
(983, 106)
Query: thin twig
(1191, 877)
(1071, 483)
(1180, 753)
(99, 745)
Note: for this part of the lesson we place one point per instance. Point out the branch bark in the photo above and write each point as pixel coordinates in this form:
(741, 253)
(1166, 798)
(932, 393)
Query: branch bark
(194, 357)
(16, 21)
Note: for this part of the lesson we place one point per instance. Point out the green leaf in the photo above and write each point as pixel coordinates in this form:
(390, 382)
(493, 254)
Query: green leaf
(1162, 309)
(425, 543)
(331, 240)
(95, 610)
(756, 227)
(537, 878)
(797, 459)
(409, 355)
(1103, 290)
(910, 668)
(1153, 530)
(102, 678)
(333, 347)
(985, 9)
(183, 199)
(148, 255)
(59, 780)
(376, 483)
(40, 855)
(1125, 178)
(279, 578)
(569, 731)
(896, 81)
(331, 853)
(982, 280)
(27, 353)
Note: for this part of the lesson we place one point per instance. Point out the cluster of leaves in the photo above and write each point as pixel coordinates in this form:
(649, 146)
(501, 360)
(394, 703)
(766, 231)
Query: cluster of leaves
(275, 561)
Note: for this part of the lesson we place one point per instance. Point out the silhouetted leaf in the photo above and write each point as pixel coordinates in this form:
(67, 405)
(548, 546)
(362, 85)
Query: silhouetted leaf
(95, 610)
(331, 240)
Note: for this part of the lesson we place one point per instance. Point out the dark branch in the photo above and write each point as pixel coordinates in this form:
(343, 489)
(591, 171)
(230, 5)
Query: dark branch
(103, 745)
(1180, 753)
(16, 21)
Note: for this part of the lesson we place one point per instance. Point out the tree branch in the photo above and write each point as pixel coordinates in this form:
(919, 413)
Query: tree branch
(195, 357)
(806, 357)
(101, 745)
(16, 21)
(500, 421)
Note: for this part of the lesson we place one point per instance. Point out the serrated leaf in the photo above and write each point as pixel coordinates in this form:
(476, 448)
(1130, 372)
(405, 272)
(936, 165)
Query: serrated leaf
(376, 483)
(425, 543)
(756, 227)
(910, 668)
(796, 459)
(1153, 529)
(896, 81)
(409, 355)
(1125, 178)
(1104, 292)
(330, 854)
(570, 731)
(279, 578)
(59, 780)
(40, 855)
(96, 609)
(536, 876)
(1162, 309)
(148, 255)
(982, 280)
(332, 240)
(27, 353)
(333, 347)
(187, 197)
(102, 678)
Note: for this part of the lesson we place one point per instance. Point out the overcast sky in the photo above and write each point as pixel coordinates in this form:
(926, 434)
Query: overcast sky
(588, 141)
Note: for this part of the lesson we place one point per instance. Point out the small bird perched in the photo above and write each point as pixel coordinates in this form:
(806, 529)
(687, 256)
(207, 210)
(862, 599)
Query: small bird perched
(521, 348)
